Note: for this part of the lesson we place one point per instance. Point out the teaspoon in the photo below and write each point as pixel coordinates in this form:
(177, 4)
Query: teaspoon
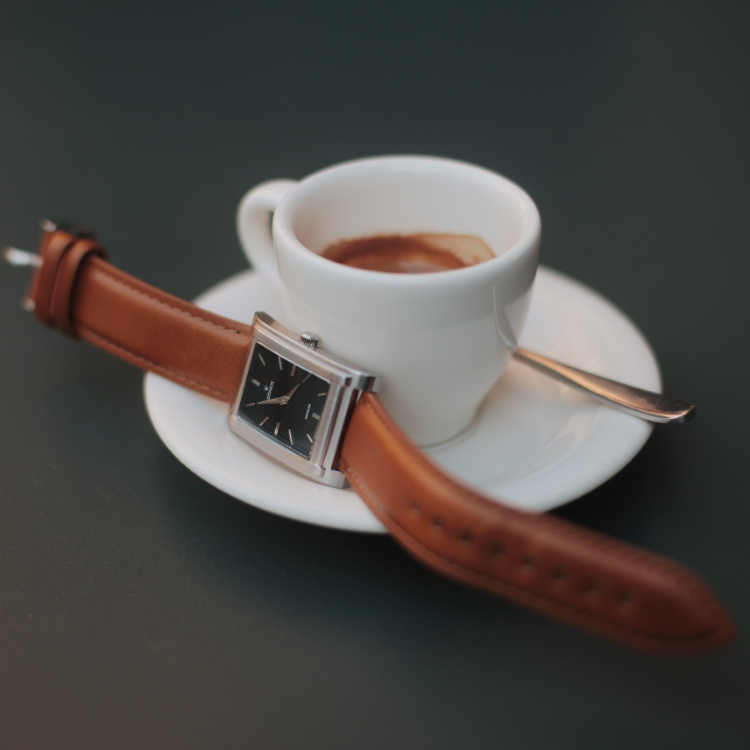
(653, 407)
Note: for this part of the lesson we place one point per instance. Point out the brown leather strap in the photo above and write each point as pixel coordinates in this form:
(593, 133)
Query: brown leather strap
(541, 561)
(83, 294)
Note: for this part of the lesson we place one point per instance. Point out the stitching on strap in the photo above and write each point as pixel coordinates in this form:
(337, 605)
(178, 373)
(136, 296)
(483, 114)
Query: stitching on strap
(607, 625)
(107, 343)
(677, 573)
(117, 280)
(570, 531)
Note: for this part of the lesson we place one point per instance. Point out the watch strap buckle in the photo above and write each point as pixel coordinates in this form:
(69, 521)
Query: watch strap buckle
(59, 238)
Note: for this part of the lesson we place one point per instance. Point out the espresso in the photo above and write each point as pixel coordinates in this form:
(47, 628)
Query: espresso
(412, 253)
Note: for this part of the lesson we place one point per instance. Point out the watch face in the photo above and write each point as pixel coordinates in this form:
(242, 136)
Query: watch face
(283, 400)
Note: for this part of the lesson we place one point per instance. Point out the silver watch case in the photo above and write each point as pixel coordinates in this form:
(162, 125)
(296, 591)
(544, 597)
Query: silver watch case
(347, 383)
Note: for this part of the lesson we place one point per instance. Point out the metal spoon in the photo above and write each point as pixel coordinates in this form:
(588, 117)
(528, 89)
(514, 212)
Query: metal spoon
(627, 398)
(644, 404)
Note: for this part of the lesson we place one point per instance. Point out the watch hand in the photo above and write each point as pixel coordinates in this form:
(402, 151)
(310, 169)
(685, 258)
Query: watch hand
(280, 399)
(290, 394)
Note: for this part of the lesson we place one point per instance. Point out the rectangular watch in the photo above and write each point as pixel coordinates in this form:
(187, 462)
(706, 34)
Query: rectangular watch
(296, 400)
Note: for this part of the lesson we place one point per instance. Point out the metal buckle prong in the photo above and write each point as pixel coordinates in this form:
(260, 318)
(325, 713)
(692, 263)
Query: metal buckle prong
(17, 257)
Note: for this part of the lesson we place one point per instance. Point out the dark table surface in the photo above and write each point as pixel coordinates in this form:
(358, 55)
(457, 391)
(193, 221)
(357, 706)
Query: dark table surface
(141, 607)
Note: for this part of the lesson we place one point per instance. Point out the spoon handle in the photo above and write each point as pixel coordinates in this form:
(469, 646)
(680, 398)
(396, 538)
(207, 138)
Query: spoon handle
(644, 404)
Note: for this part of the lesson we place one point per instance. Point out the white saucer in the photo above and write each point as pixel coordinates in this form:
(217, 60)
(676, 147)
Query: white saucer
(535, 444)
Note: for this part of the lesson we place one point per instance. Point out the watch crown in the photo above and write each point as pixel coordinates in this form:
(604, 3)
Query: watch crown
(309, 339)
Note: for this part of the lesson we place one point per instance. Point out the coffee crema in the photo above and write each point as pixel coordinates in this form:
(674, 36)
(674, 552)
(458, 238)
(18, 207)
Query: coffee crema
(412, 253)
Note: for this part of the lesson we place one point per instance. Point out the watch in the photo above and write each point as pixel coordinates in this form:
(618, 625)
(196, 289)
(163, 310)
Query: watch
(321, 416)
(296, 400)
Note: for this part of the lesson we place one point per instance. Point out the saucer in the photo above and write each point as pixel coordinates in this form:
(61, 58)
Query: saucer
(535, 444)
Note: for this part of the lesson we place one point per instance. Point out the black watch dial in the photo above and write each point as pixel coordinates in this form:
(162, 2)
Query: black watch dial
(283, 400)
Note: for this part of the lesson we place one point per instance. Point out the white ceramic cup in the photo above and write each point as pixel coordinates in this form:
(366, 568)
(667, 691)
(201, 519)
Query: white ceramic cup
(440, 340)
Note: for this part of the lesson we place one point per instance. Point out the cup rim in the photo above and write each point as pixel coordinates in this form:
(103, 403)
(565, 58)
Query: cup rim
(282, 220)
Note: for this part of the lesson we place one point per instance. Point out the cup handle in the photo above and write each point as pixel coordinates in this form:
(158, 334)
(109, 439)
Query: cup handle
(254, 225)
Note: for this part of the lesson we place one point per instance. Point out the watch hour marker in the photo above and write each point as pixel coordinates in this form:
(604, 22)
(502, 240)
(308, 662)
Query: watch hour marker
(276, 429)
(281, 363)
(260, 357)
(265, 419)
(253, 404)
(315, 416)
(255, 382)
(291, 439)
(294, 369)
(308, 437)
(325, 393)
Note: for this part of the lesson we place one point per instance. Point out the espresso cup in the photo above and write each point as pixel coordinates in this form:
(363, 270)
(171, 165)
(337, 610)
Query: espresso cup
(440, 340)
